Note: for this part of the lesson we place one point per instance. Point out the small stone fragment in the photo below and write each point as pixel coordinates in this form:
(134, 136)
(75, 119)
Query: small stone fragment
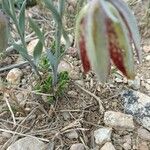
(143, 146)
(127, 142)
(72, 135)
(118, 80)
(27, 143)
(108, 146)
(77, 146)
(118, 120)
(6, 135)
(146, 48)
(144, 134)
(66, 115)
(64, 66)
(72, 93)
(14, 76)
(135, 84)
(148, 58)
(102, 135)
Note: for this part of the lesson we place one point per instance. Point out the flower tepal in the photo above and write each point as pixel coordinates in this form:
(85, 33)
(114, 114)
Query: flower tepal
(103, 33)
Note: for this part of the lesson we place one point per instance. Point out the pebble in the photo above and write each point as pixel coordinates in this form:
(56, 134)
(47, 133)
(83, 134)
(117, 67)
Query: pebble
(80, 82)
(147, 86)
(74, 75)
(144, 134)
(72, 93)
(118, 120)
(6, 135)
(102, 135)
(148, 58)
(64, 66)
(148, 81)
(143, 146)
(66, 116)
(137, 104)
(77, 146)
(135, 84)
(118, 80)
(127, 142)
(146, 48)
(108, 146)
(72, 135)
(27, 143)
(14, 76)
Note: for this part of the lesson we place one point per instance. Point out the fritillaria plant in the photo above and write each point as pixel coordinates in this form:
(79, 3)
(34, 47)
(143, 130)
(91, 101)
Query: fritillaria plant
(106, 33)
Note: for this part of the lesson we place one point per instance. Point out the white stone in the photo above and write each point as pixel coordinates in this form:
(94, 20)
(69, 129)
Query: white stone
(147, 86)
(148, 81)
(27, 143)
(148, 58)
(64, 66)
(118, 80)
(102, 135)
(14, 76)
(118, 120)
(135, 84)
(108, 146)
(77, 146)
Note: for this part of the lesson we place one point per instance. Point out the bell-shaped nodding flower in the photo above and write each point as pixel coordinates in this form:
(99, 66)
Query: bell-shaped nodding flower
(106, 31)
(3, 32)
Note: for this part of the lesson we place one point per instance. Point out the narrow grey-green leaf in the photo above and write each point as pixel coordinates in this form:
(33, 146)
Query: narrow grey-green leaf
(6, 8)
(21, 50)
(37, 30)
(22, 18)
(3, 33)
(37, 51)
(131, 23)
(51, 57)
(54, 11)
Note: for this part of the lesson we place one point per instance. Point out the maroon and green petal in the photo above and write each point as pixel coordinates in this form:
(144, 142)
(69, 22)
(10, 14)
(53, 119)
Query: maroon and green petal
(80, 40)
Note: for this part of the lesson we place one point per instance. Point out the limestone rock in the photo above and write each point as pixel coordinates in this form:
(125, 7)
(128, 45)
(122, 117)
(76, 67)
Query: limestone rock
(108, 146)
(118, 120)
(14, 76)
(77, 146)
(137, 104)
(27, 143)
(102, 135)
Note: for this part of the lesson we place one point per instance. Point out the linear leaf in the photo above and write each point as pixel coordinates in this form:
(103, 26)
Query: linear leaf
(37, 30)
(37, 51)
(3, 32)
(54, 11)
(22, 18)
(5, 6)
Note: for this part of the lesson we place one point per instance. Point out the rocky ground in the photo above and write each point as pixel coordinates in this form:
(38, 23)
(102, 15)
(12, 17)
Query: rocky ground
(89, 115)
